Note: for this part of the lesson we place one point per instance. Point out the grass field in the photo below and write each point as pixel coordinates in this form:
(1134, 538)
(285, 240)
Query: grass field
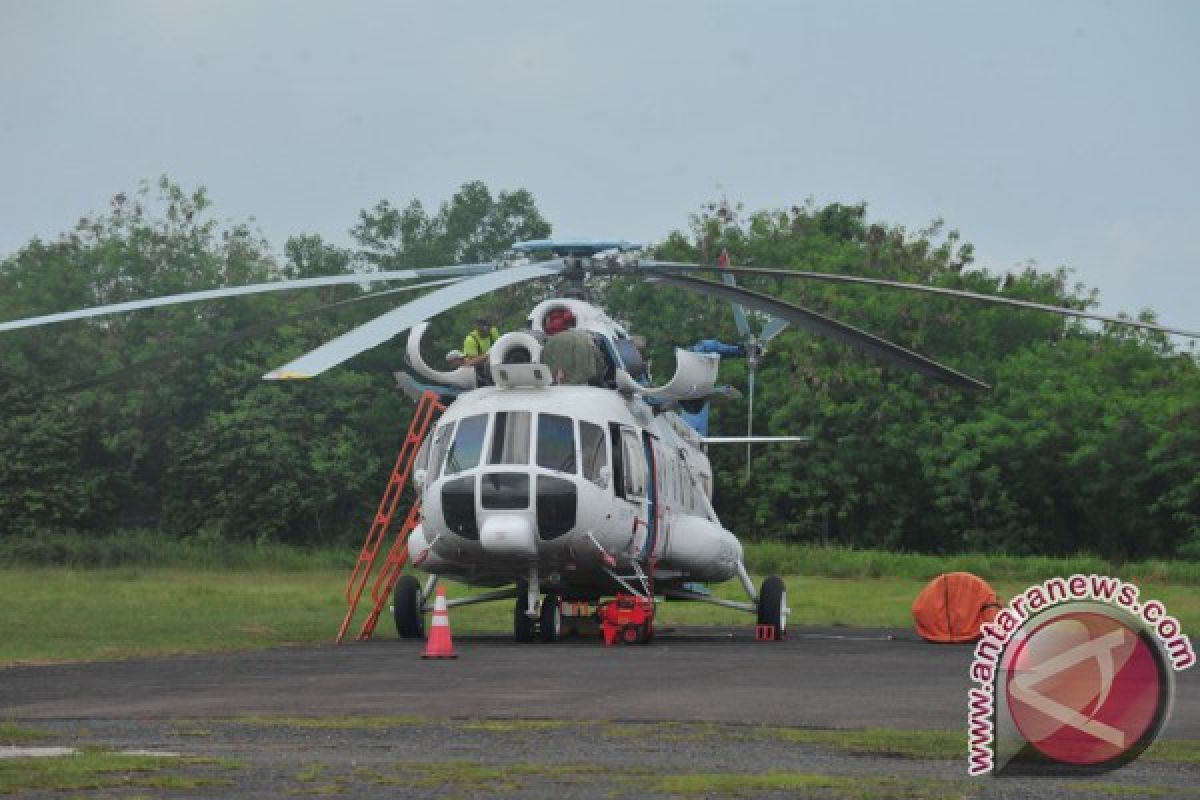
(65, 614)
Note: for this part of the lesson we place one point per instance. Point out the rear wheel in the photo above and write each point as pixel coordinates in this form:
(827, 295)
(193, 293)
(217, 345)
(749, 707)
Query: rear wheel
(772, 605)
(551, 618)
(407, 602)
(523, 627)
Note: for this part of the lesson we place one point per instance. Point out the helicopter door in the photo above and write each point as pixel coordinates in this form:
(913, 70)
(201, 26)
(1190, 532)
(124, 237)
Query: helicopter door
(652, 496)
(629, 464)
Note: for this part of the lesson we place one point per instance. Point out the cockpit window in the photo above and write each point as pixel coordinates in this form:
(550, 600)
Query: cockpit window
(422, 459)
(441, 441)
(633, 465)
(510, 438)
(595, 451)
(468, 444)
(556, 443)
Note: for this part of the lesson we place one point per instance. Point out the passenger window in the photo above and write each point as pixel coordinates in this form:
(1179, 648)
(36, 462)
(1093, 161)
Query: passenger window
(634, 465)
(468, 444)
(556, 443)
(510, 438)
(441, 441)
(595, 451)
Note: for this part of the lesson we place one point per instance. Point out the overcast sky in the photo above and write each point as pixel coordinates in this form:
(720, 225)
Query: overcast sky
(1067, 133)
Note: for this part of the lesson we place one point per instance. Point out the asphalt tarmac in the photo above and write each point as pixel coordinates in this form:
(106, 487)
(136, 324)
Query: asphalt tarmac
(818, 677)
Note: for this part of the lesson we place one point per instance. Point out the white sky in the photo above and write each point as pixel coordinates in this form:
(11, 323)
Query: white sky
(1063, 132)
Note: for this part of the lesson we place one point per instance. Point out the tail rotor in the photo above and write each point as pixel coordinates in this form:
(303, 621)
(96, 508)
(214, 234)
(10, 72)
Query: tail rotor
(754, 346)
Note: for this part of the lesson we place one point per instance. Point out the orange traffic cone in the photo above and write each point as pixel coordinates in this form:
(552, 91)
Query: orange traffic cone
(439, 644)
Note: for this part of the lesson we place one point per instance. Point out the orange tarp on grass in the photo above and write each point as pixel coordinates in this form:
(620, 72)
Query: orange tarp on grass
(953, 606)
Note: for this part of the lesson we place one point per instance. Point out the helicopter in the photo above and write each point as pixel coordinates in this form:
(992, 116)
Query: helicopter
(558, 487)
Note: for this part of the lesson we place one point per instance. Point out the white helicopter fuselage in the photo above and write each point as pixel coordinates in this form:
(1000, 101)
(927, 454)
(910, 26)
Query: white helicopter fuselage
(572, 480)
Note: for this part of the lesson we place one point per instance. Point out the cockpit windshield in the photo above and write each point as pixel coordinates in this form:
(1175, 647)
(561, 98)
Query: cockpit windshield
(510, 438)
(556, 443)
(468, 444)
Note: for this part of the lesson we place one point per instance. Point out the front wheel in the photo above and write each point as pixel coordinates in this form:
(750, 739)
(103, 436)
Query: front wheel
(772, 605)
(551, 618)
(407, 602)
(523, 627)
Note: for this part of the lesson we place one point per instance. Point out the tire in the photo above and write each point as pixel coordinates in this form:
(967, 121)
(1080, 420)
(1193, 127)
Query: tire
(632, 634)
(407, 602)
(551, 619)
(772, 605)
(523, 627)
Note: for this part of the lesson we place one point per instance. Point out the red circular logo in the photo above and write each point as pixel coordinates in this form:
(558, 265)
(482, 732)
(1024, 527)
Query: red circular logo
(1086, 688)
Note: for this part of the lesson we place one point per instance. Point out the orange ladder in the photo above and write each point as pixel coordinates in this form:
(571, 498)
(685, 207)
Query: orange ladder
(427, 410)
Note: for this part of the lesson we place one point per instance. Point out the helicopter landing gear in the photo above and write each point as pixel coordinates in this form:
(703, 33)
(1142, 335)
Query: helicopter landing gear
(547, 623)
(772, 606)
(550, 621)
(524, 628)
(407, 602)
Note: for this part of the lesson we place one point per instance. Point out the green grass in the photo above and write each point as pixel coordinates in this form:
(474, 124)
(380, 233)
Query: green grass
(804, 784)
(831, 561)
(921, 745)
(12, 733)
(1174, 751)
(291, 596)
(140, 548)
(62, 614)
(102, 770)
(340, 723)
(1118, 790)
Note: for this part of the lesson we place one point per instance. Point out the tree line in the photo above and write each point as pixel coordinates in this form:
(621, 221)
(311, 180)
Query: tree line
(1088, 442)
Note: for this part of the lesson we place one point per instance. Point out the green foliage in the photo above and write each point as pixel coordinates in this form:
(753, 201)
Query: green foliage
(1089, 443)
(198, 446)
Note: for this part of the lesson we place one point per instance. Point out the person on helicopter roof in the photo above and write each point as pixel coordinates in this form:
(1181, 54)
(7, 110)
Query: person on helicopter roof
(476, 346)
(480, 340)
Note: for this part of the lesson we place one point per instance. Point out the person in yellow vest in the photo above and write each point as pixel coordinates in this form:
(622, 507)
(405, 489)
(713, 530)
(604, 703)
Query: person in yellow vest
(479, 341)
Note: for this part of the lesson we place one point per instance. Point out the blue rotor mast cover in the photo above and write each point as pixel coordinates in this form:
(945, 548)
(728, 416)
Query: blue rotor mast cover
(719, 348)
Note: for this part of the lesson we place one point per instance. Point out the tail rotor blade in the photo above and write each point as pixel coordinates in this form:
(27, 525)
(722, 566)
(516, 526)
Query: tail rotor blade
(739, 313)
(753, 367)
(773, 329)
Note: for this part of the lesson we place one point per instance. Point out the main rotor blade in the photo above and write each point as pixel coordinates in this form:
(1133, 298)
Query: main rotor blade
(460, 270)
(673, 266)
(384, 327)
(208, 345)
(827, 326)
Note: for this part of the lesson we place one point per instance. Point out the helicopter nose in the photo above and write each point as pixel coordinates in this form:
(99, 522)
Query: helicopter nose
(508, 535)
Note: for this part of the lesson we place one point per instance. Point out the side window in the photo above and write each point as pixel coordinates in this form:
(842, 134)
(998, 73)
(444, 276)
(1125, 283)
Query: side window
(556, 443)
(441, 441)
(632, 359)
(468, 444)
(510, 438)
(422, 459)
(634, 465)
(595, 451)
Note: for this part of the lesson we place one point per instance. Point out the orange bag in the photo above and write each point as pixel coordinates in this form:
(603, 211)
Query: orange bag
(953, 606)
